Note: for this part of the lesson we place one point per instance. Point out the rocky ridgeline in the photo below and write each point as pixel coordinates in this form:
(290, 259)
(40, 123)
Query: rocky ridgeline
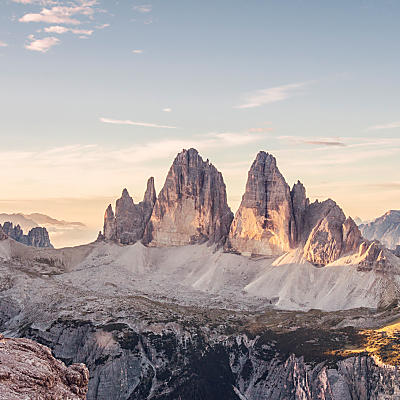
(36, 237)
(29, 371)
(272, 218)
(386, 229)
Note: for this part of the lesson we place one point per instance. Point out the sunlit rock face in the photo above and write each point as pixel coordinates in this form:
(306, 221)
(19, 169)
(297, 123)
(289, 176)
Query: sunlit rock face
(128, 224)
(272, 219)
(352, 237)
(264, 223)
(325, 241)
(329, 234)
(192, 206)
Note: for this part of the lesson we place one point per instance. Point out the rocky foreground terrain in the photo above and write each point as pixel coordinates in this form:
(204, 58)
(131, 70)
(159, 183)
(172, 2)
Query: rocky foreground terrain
(29, 371)
(180, 299)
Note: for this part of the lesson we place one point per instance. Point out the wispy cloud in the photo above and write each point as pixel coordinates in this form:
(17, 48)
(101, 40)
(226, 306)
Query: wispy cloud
(314, 141)
(135, 123)
(41, 45)
(271, 95)
(144, 8)
(62, 29)
(102, 26)
(66, 12)
(391, 125)
(137, 51)
(55, 15)
(3, 44)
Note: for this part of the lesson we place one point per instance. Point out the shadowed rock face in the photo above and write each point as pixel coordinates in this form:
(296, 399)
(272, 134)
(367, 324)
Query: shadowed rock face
(300, 204)
(192, 206)
(186, 364)
(29, 371)
(128, 224)
(36, 237)
(265, 223)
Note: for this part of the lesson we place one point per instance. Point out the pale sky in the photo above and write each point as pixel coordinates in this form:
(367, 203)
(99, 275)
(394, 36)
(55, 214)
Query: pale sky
(99, 95)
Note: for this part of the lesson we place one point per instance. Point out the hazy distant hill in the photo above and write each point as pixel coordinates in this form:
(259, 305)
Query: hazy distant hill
(60, 231)
(386, 229)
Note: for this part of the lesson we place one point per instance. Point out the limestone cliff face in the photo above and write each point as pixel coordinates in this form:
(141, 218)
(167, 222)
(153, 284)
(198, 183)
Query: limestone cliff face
(273, 219)
(192, 206)
(29, 371)
(264, 223)
(36, 237)
(129, 222)
(325, 242)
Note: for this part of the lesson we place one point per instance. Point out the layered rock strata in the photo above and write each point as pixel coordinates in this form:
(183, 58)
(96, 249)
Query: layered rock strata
(192, 205)
(36, 237)
(29, 371)
(128, 224)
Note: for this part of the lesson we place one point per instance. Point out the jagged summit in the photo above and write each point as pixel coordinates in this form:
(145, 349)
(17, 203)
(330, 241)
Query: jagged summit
(272, 218)
(192, 205)
(36, 237)
(128, 223)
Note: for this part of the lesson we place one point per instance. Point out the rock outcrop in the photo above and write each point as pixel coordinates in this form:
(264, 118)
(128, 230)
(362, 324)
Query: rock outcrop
(325, 241)
(386, 229)
(264, 223)
(29, 371)
(36, 237)
(192, 206)
(272, 219)
(129, 222)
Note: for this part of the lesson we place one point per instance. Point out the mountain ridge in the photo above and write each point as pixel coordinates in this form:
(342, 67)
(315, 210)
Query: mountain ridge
(272, 218)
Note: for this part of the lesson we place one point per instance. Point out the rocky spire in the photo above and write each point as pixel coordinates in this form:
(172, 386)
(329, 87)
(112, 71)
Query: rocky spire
(192, 206)
(130, 219)
(264, 223)
(299, 206)
(150, 196)
(109, 230)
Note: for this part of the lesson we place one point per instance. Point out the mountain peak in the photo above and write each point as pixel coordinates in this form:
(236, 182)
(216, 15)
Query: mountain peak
(192, 205)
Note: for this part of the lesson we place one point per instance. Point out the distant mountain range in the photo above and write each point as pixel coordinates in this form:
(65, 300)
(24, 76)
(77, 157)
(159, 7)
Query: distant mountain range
(59, 230)
(36, 237)
(29, 221)
(179, 298)
(386, 229)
